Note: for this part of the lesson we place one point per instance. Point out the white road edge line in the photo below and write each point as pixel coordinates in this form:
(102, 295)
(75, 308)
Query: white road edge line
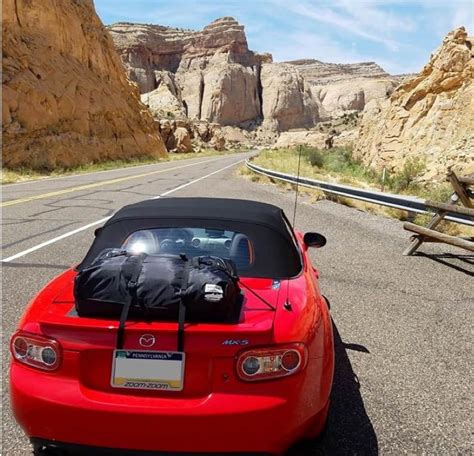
(197, 180)
(98, 222)
(50, 178)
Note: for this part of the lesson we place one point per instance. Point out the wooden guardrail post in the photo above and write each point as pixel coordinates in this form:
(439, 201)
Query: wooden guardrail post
(446, 238)
(460, 187)
(461, 193)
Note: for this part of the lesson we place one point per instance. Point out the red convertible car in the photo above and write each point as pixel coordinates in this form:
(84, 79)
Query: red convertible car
(252, 378)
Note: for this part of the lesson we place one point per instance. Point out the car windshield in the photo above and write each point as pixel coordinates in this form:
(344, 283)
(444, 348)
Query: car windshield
(194, 242)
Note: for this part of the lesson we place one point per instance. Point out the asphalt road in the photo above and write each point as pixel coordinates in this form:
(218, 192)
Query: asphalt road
(403, 325)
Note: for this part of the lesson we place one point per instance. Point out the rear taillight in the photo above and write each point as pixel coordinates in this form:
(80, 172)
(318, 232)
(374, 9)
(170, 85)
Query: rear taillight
(36, 351)
(271, 362)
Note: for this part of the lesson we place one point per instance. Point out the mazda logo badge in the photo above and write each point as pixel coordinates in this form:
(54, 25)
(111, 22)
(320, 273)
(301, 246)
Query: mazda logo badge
(147, 340)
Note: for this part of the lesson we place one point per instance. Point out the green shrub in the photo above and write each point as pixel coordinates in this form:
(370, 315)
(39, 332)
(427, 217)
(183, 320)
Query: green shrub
(340, 160)
(314, 156)
(404, 179)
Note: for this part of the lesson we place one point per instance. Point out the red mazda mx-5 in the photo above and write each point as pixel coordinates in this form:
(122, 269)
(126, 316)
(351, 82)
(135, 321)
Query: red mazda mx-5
(192, 325)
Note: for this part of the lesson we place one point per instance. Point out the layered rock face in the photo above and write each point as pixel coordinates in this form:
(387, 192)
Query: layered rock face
(352, 95)
(212, 75)
(287, 99)
(323, 73)
(146, 49)
(429, 116)
(345, 87)
(165, 100)
(66, 98)
(228, 95)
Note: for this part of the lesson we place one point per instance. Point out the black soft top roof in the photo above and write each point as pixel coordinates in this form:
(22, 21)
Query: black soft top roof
(264, 223)
(204, 208)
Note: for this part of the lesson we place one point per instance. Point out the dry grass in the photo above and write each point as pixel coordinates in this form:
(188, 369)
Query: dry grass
(339, 166)
(10, 176)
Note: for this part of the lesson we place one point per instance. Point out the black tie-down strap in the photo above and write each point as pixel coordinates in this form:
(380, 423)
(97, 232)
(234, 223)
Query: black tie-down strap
(132, 289)
(182, 307)
(131, 295)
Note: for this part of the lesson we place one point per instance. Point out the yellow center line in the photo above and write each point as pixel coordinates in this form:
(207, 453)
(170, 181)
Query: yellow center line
(98, 184)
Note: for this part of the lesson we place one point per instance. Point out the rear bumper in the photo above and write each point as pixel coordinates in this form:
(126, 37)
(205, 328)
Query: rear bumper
(59, 409)
(78, 450)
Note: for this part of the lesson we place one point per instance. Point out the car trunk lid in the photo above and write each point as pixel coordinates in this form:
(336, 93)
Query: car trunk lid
(95, 339)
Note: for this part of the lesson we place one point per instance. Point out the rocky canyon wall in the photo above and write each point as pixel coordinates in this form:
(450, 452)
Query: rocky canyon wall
(66, 97)
(212, 75)
(345, 87)
(287, 101)
(430, 116)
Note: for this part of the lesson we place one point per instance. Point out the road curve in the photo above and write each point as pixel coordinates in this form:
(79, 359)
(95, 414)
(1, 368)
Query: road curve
(402, 324)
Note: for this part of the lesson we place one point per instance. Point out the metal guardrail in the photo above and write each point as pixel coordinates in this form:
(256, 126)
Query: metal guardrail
(402, 202)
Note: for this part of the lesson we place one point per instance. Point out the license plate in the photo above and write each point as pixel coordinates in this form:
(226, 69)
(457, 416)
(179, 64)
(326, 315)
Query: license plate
(148, 370)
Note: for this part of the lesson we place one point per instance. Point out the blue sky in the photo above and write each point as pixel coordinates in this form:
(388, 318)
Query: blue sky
(398, 34)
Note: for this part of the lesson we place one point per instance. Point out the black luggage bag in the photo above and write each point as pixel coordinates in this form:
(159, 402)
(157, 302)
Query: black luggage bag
(207, 286)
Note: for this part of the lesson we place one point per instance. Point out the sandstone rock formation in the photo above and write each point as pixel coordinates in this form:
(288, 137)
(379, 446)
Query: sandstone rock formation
(186, 135)
(287, 100)
(214, 75)
(322, 73)
(165, 100)
(166, 129)
(352, 95)
(66, 98)
(183, 140)
(430, 116)
(296, 137)
(345, 87)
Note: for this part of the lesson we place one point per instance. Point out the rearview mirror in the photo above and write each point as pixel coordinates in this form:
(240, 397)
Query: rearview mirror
(314, 240)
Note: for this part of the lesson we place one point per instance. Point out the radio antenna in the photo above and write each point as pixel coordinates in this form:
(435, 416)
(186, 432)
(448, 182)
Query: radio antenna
(300, 148)
(287, 304)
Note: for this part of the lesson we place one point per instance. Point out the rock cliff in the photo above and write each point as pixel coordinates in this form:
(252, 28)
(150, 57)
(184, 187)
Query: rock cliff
(287, 101)
(323, 73)
(430, 115)
(211, 75)
(351, 95)
(345, 87)
(66, 97)
(147, 49)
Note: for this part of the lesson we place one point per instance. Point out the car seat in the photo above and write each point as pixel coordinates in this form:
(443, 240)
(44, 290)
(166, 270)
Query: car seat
(241, 251)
